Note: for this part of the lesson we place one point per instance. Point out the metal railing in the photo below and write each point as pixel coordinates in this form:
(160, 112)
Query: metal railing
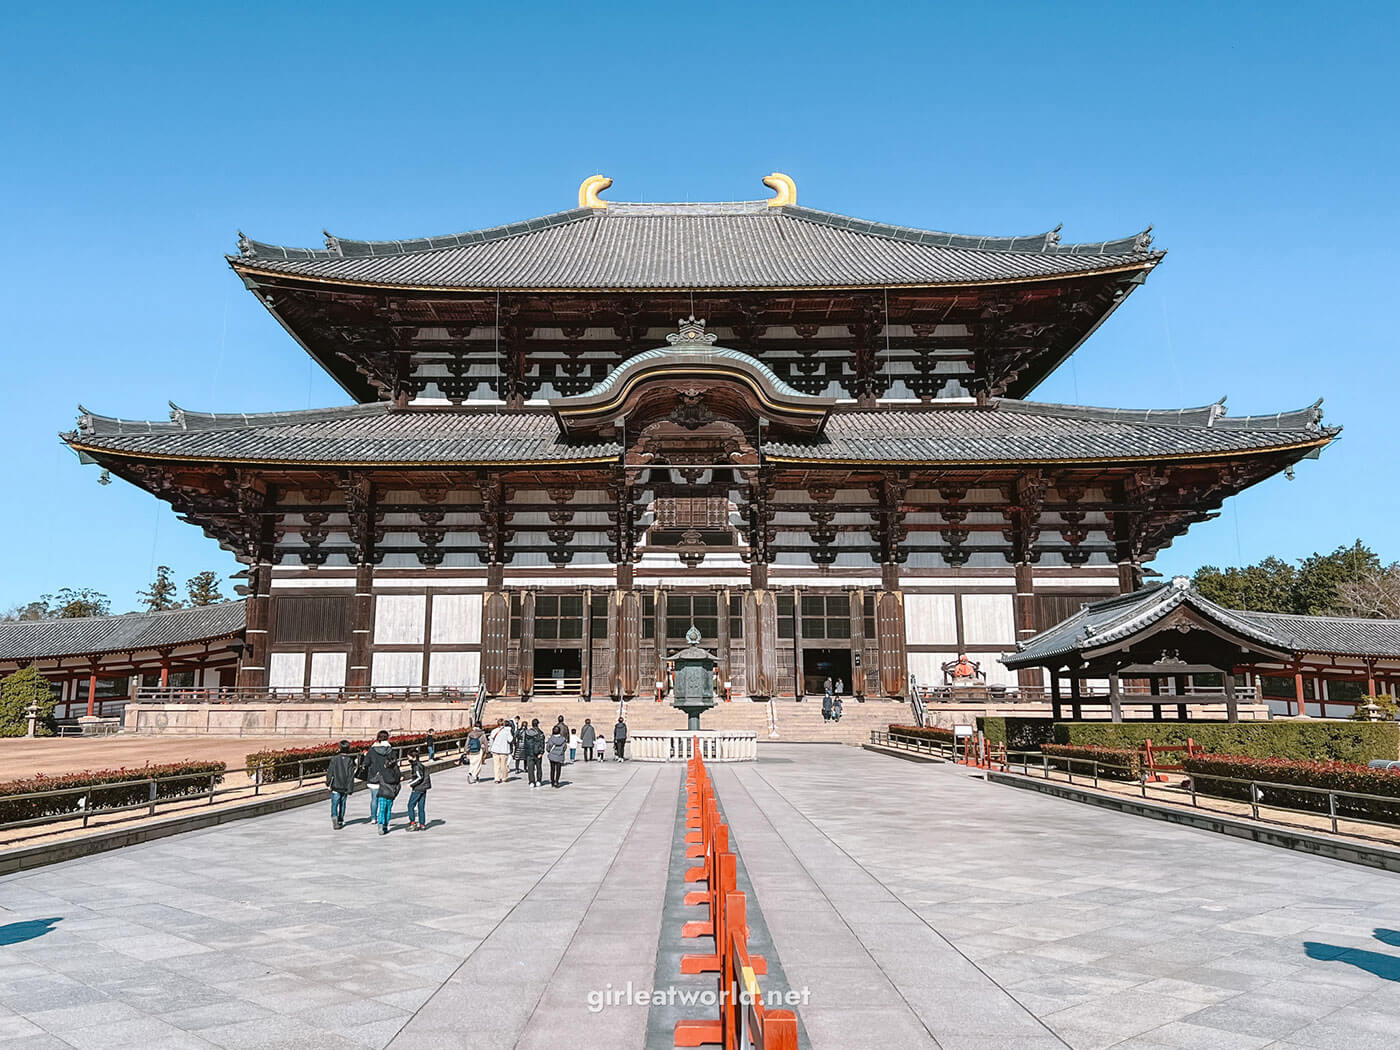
(87, 808)
(1257, 790)
(1092, 770)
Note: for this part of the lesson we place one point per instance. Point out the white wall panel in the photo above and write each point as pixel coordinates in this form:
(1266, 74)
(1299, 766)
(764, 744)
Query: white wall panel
(459, 670)
(328, 670)
(931, 619)
(927, 668)
(397, 670)
(988, 620)
(399, 619)
(456, 619)
(286, 670)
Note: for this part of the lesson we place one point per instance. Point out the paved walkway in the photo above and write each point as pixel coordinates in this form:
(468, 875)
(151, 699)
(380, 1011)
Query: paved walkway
(916, 905)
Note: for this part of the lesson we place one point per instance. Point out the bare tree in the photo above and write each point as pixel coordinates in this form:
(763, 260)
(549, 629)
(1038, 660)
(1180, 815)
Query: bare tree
(1375, 595)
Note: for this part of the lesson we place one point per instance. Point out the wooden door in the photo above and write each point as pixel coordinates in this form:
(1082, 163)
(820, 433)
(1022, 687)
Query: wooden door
(495, 640)
(627, 642)
(526, 657)
(889, 633)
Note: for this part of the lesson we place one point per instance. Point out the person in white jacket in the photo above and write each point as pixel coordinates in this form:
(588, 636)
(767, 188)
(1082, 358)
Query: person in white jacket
(501, 741)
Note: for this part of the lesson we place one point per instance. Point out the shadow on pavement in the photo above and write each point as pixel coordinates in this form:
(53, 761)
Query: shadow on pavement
(18, 932)
(1386, 967)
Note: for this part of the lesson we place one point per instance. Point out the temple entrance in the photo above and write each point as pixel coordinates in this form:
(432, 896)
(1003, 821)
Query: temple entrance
(820, 664)
(558, 672)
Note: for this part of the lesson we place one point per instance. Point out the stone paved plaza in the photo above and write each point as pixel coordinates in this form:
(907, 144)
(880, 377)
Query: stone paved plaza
(917, 905)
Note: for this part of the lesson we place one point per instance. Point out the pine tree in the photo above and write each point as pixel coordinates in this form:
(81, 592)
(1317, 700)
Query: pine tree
(161, 594)
(69, 603)
(203, 588)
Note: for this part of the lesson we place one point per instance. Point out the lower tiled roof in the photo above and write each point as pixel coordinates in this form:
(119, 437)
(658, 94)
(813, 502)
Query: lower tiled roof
(92, 635)
(1002, 431)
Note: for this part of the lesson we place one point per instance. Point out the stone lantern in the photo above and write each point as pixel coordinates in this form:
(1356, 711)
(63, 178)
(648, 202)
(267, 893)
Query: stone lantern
(693, 689)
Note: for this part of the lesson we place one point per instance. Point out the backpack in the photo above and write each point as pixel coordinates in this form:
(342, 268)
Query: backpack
(474, 745)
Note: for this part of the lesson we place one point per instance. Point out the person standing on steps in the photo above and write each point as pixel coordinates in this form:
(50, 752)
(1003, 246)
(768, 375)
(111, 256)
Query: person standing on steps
(840, 687)
(340, 778)
(502, 740)
(586, 738)
(620, 739)
(534, 752)
(371, 768)
(826, 707)
(557, 749)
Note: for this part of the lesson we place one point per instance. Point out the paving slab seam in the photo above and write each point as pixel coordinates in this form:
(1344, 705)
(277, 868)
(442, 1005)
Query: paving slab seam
(660, 778)
(921, 920)
(632, 775)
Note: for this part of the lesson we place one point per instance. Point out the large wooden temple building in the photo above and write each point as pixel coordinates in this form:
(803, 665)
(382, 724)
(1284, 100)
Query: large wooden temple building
(572, 437)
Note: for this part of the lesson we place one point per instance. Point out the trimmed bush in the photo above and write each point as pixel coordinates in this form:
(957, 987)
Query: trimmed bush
(1304, 740)
(934, 733)
(111, 788)
(1018, 734)
(1114, 763)
(290, 762)
(1329, 776)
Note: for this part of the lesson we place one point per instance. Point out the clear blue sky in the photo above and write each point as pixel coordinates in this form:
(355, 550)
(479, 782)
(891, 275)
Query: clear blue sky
(1261, 140)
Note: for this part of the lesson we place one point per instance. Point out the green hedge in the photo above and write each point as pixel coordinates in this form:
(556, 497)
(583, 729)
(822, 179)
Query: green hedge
(288, 763)
(1018, 734)
(942, 736)
(1303, 740)
(1115, 763)
(1330, 776)
(110, 788)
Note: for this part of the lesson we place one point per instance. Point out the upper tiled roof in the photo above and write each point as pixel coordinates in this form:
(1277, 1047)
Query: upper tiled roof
(652, 246)
(1002, 431)
(1103, 623)
(92, 635)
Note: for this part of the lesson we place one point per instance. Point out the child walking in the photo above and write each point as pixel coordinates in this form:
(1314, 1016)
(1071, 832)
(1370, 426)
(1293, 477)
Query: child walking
(418, 783)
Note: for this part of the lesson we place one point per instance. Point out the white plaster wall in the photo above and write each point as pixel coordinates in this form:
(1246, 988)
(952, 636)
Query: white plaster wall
(462, 670)
(328, 670)
(399, 619)
(456, 619)
(286, 670)
(927, 668)
(988, 620)
(931, 619)
(396, 670)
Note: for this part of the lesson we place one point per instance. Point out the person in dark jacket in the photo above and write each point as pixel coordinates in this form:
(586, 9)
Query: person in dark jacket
(340, 778)
(430, 744)
(620, 738)
(389, 780)
(586, 737)
(557, 748)
(372, 763)
(534, 752)
(418, 783)
(522, 752)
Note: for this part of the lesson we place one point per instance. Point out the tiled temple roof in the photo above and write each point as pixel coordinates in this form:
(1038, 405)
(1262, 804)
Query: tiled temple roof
(744, 244)
(1001, 431)
(92, 635)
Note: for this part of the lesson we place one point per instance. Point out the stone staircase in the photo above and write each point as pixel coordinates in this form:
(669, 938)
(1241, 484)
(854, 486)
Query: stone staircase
(797, 722)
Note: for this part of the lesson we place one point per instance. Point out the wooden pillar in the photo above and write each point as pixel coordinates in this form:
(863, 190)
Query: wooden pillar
(1115, 697)
(1056, 709)
(798, 671)
(1076, 711)
(252, 671)
(723, 640)
(357, 675)
(165, 668)
(1298, 691)
(525, 661)
(857, 643)
(658, 639)
(585, 685)
(92, 692)
(1023, 608)
(1232, 707)
(1370, 678)
(1129, 577)
(1154, 686)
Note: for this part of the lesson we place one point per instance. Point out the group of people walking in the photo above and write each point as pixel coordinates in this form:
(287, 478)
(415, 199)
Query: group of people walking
(380, 767)
(831, 700)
